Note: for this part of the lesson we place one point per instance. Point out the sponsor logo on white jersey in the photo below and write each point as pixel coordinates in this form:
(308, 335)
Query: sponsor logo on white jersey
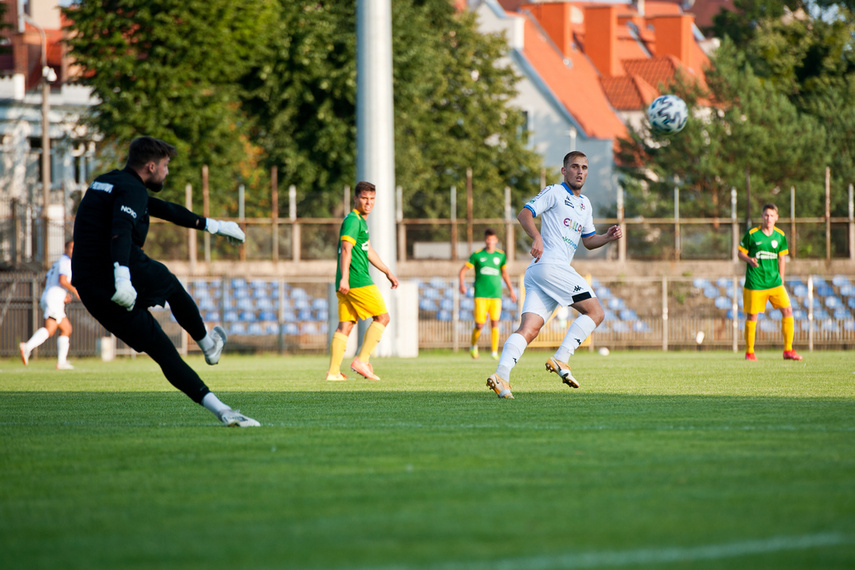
(129, 211)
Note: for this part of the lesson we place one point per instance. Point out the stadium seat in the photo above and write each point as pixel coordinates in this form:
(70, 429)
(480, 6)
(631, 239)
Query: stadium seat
(723, 303)
(305, 315)
(427, 305)
(851, 303)
(841, 314)
(299, 293)
(255, 329)
(291, 329)
(237, 329)
(800, 290)
(739, 315)
(244, 304)
(828, 325)
(833, 302)
(847, 290)
(322, 315)
(766, 325)
(320, 303)
(620, 327)
(821, 315)
(711, 292)
(775, 314)
(207, 304)
(230, 316)
(795, 282)
(309, 328)
(446, 305)
(616, 303)
(724, 283)
(467, 304)
(818, 281)
(807, 304)
(609, 315)
(246, 316)
(824, 291)
(799, 314)
(444, 315)
(437, 282)
(840, 280)
(509, 305)
(212, 317)
(466, 316)
(265, 304)
(603, 292)
(700, 283)
(849, 325)
(238, 283)
(640, 326)
(506, 316)
(289, 316)
(267, 316)
(628, 315)
(431, 293)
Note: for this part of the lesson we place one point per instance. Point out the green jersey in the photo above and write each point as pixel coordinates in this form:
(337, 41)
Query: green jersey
(355, 230)
(767, 250)
(488, 273)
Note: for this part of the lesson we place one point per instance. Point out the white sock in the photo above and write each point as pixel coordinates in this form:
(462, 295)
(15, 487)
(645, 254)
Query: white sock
(511, 352)
(212, 403)
(581, 329)
(206, 343)
(37, 339)
(62, 344)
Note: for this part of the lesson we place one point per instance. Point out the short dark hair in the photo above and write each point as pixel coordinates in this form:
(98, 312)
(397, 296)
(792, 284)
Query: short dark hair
(146, 149)
(770, 206)
(363, 186)
(571, 155)
(489, 232)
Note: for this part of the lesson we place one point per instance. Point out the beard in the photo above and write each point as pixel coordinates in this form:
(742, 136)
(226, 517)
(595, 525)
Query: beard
(154, 186)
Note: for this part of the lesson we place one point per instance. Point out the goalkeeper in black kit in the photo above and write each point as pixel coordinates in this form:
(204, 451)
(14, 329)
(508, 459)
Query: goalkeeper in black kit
(117, 282)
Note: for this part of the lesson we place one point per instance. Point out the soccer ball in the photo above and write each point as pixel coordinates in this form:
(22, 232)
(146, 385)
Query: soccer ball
(668, 114)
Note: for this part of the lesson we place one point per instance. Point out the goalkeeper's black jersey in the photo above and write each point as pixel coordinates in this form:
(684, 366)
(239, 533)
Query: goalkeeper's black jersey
(112, 223)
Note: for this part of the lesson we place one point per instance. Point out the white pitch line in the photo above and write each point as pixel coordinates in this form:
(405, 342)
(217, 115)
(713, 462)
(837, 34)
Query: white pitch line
(644, 556)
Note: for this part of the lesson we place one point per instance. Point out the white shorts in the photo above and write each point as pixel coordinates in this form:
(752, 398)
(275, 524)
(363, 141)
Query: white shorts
(551, 286)
(53, 303)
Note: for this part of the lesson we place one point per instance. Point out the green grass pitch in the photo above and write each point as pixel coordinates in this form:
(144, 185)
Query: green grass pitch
(677, 460)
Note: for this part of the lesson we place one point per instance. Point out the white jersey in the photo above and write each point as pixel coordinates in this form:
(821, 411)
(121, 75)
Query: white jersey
(565, 219)
(61, 267)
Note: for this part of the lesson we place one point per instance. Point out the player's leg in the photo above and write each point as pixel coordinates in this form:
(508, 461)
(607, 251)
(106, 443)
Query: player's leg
(187, 314)
(753, 303)
(338, 344)
(494, 310)
(38, 338)
(590, 317)
(781, 300)
(139, 330)
(480, 314)
(63, 343)
(368, 302)
(513, 349)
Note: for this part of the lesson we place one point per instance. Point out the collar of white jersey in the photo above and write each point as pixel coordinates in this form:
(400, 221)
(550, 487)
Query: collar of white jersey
(570, 190)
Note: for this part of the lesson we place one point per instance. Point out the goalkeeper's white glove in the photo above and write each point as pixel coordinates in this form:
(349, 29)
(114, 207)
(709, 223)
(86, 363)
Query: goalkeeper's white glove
(230, 230)
(125, 295)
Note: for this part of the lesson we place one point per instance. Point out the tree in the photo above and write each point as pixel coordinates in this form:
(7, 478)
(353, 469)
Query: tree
(451, 106)
(170, 69)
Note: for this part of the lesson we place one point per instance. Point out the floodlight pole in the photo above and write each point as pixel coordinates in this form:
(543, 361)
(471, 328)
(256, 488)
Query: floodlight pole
(375, 138)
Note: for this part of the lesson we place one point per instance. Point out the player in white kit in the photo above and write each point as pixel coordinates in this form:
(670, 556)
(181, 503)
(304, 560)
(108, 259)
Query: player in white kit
(550, 281)
(58, 291)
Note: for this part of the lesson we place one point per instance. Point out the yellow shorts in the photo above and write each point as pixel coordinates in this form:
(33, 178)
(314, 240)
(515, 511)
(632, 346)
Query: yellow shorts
(360, 303)
(754, 302)
(484, 307)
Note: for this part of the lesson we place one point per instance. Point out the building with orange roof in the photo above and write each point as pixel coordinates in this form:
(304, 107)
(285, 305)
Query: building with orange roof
(590, 68)
(34, 36)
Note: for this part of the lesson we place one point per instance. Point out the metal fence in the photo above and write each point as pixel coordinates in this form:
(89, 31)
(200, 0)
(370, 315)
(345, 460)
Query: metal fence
(294, 315)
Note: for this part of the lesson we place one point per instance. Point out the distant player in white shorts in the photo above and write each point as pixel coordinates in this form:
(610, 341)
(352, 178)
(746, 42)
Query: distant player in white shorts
(58, 291)
(550, 281)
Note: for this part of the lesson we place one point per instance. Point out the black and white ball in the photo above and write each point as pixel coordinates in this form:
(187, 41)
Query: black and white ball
(668, 114)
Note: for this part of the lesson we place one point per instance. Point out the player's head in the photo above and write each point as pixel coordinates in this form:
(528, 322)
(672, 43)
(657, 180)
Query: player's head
(769, 215)
(69, 247)
(575, 169)
(363, 197)
(491, 239)
(150, 157)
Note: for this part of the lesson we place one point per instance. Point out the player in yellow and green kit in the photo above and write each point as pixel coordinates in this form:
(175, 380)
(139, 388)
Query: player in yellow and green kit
(358, 296)
(764, 249)
(490, 270)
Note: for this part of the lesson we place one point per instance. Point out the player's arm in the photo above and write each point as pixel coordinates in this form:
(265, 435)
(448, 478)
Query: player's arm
(507, 279)
(375, 260)
(526, 219)
(128, 207)
(181, 216)
(463, 276)
(344, 263)
(65, 283)
(752, 261)
(594, 241)
(782, 266)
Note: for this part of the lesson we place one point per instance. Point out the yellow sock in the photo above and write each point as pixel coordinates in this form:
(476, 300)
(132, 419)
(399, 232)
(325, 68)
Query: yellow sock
(494, 339)
(788, 329)
(476, 334)
(750, 328)
(369, 343)
(337, 348)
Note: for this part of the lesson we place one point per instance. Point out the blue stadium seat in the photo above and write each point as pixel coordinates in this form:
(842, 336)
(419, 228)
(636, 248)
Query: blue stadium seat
(267, 316)
(842, 314)
(775, 314)
(446, 305)
(255, 329)
(437, 282)
(609, 315)
(795, 282)
(800, 290)
(821, 315)
(816, 304)
(271, 328)
(207, 304)
(309, 328)
(840, 280)
(847, 290)
(766, 325)
(740, 315)
(291, 329)
(237, 329)
(833, 302)
(616, 303)
(466, 316)
(700, 283)
(427, 305)
(818, 281)
(467, 304)
(799, 314)
(212, 316)
(640, 326)
(723, 303)
(322, 315)
(230, 316)
(824, 291)
(724, 282)
(444, 315)
(431, 293)
(507, 316)
(849, 325)
(238, 283)
(299, 293)
(711, 292)
(620, 327)
(265, 304)
(603, 292)
(244, 304)
(827, 325)
(470, 292)
(628, 315)
(302, 304)
(289, 315)
(851, 303)
(305, 315)
(320, 303)
(246, 316)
